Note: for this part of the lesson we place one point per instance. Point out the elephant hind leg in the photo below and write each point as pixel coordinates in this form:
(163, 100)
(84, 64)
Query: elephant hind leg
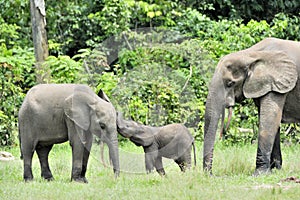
(181, 164)
(184, 162)
(43, 153)
(27, 163)
(27, 149)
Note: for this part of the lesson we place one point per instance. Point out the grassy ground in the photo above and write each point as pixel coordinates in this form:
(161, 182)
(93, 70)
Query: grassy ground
(233, 167)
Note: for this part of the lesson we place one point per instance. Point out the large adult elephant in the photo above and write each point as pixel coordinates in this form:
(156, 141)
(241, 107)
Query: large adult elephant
(267, 72)
(55, 113)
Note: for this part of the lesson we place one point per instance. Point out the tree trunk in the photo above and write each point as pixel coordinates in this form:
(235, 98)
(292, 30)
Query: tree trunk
(38, 20)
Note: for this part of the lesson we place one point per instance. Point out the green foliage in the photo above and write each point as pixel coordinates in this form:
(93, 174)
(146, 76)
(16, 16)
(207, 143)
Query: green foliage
(63, 69)
(15, 78)
(114, 16)
(251, 9)
(164, 83)
(155, 78)
(70, 28)
(151, 100)
(8, 33)
(15, 14)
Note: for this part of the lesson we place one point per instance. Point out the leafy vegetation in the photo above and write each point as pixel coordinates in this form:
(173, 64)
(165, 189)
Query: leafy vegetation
(154, 58)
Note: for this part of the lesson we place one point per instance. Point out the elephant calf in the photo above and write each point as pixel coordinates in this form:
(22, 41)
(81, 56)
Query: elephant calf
(172, 141)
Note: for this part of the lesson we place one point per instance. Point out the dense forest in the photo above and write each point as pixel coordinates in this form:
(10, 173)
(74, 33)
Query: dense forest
(153, 58)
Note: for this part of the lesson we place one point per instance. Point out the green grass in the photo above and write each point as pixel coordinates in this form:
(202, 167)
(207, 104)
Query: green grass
(232, 178)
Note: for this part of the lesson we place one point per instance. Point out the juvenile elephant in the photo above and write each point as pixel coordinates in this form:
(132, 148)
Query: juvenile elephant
(172, 141)
(269, 73)
(55, 113)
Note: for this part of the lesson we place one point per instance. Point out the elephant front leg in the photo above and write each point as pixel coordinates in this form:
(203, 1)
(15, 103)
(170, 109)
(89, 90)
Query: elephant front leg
(149, 163)
(79, 155)
(271, 107)
(276, 158)
(86, 154)
(151, 154)
(77, 162)
(159, 166)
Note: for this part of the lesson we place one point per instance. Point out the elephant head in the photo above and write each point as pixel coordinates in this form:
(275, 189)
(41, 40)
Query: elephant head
(96, 115)
(137, 133)
(240, 75)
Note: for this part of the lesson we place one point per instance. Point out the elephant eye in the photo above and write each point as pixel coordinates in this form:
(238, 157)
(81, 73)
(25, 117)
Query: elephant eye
(230, 83)
(102, 125)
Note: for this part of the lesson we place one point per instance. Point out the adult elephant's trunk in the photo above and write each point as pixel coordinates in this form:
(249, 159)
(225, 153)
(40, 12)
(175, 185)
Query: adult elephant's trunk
(215, 107)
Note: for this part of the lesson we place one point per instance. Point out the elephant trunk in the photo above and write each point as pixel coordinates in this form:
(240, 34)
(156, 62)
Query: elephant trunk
(112, 143)
(215, 107)
(121, 125)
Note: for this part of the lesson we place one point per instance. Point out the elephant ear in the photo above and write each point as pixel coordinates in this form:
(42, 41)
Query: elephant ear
(271, 71)
(143, 137)
(103, 96)
(78, 110)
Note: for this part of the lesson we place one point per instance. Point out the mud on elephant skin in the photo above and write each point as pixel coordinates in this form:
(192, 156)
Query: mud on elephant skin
(172, 141)
(56, 113)
(269, 73)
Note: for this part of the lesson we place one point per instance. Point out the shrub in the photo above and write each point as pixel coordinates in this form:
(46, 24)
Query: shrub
(16, 76)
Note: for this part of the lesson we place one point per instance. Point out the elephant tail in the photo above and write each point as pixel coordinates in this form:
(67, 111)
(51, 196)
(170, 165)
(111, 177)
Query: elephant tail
(195, 162)
(21, 156)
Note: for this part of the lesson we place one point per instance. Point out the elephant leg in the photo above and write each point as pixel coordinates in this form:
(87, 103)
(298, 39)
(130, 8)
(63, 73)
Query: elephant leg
(77, 160)
(271, 106)
(181, 163)
(77, 142)
(27, 162)
(184, 159)
(276, 158)
(159, 166)
(148, 163)
(86, 154)
(43, 153)
(150, 157)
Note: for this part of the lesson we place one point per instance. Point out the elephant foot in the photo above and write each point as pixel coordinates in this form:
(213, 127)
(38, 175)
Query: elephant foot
(148, 171)
(49, 178)
(276, 164)
(161, 172)
(80, 180)
(116, 173)
(28, 179)
(261, 171)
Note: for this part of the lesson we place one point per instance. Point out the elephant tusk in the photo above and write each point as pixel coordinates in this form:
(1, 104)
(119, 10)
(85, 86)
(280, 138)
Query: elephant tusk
(228, 118)
(225, 128)
(222, 124)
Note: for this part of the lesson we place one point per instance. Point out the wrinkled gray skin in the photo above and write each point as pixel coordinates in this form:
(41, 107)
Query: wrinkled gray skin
(172, 141)
(267, 72)
(56, 113)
